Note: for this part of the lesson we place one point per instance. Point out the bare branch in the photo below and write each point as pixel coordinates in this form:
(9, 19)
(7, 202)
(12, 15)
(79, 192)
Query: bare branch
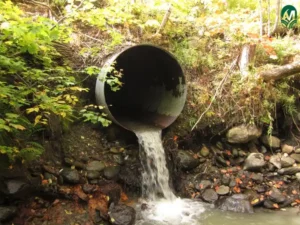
(165, 20)
(281, 72)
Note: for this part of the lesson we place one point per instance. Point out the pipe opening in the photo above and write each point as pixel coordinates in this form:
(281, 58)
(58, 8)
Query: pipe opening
(153, 90)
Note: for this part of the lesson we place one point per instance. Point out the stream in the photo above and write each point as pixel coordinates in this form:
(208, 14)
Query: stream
(160, 206)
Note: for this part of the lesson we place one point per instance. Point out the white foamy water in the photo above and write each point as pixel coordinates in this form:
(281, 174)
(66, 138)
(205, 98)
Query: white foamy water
(161, 206)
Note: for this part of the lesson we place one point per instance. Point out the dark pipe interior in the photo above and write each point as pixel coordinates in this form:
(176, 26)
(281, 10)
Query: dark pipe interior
(148, 72)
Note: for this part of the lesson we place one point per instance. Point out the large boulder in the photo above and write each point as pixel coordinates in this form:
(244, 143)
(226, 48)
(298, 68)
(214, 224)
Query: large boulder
(122, 215)
(254, 162)
(186, 161)
(271, 141)
(236, 203)
(243, 133)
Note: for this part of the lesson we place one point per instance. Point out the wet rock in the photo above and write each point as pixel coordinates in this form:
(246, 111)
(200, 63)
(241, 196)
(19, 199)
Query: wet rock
(223, 190)
(287, 161)
(7, 213)
(70, 176)
(298, 176)
(289, 170)
(130, 176)
(111, 172)
(225, 180)
(296, 157)
(15, 186)
(271, 141)
(232, 183)
(204, 151)
(276, 160)
(186, 161)
(276, 196)
(260, 188)
(221, 160)
(257, 177)
(118, 158)
(235, 152)
(122, 215)
(92, 174)
(243, 133)
(88, 188)
(236, 203)
(254, 162)
(209, 195)
(269, 204)
(95, 165)
(203, 184)
(285, 148)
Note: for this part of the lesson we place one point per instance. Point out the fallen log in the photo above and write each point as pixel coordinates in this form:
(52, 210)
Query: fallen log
(281, 72)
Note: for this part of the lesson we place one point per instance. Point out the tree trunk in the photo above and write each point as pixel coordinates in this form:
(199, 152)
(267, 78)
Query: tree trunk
(245, 58)
(281, 72)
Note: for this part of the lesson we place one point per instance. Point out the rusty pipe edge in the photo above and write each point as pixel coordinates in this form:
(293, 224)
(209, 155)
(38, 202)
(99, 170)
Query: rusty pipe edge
(153, 91)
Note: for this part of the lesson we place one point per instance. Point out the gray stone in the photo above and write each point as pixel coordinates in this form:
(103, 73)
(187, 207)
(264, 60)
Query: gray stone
(70, 176)
(287, 161)
(15, 186)
(285, 148)
(243, 133)
(236, 203)
(122, 215)
(111, 172)
(296, 157)
(209, 195)
(92, 174)
(223, 190)
(297, 150)
(263, 150)
(269, 204)
(204, 151)
(271, 141)
(203, 184)
(95, 165)
(258, 177)
(7, 213)
(276, 160)
(276, 196)
(289, 171)
(186, 161)
(254, 162)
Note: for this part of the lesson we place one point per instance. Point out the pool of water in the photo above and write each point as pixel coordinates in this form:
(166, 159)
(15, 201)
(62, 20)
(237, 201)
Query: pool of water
(189, 212)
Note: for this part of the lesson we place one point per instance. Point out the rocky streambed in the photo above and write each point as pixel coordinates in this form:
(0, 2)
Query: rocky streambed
(92, 176)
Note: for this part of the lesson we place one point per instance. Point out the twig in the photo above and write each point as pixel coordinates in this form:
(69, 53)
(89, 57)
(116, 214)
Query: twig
(277, 18)
(42, 4)
(165, 20)
(218, 90)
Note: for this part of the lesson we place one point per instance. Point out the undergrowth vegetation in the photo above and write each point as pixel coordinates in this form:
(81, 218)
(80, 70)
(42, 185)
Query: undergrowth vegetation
(48, 50)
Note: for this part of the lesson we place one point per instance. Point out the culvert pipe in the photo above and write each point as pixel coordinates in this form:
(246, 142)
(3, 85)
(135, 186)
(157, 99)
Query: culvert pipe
(153, 90)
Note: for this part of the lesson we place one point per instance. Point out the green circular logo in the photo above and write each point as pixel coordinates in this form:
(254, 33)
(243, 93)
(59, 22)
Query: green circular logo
(289, 16)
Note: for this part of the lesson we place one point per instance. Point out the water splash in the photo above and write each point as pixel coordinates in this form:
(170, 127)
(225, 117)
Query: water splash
(155, 175)
(162, 206)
